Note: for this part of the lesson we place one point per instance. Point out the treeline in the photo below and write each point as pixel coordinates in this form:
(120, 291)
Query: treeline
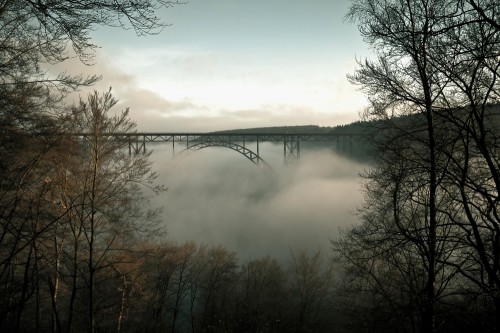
(355, 128)
(299, 129)
(179, 288)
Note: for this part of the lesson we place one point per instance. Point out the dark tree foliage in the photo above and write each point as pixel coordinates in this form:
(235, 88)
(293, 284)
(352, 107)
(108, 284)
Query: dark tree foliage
(431, 209)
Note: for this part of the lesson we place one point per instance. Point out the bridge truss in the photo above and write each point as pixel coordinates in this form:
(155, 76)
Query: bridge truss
(194, 141)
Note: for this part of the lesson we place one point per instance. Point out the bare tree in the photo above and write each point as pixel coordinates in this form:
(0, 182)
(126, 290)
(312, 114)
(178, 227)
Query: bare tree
(216, 285)
(34, 35)
(310, 288)
(487, 10)
(468, 59)
(386, 254)
(403, 81)
(34, 32)
(262, 296)
(440, 59)
(106, 196)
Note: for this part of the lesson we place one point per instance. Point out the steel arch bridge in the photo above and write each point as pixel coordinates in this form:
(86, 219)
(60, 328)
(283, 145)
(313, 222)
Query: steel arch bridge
(249, 154)
(193, 141)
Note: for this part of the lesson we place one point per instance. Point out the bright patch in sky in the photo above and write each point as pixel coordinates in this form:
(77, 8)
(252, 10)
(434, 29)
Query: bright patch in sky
(237, 64)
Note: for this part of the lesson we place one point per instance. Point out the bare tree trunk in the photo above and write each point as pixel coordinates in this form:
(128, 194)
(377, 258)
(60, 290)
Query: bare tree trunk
(75, 282)
(93, 222)
(181, 286)
(428, 315)
(24, 293)
(421, 59)
(497, 314)
(54, 287)
(191, 308)
(121, 315)
(91, 283)
(37, 294)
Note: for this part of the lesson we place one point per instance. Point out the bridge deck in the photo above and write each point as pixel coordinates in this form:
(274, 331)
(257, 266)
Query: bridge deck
(291, 141)
(261, 137)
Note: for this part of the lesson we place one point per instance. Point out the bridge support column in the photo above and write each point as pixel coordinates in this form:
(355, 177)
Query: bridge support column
(291, 149)
(135, 145)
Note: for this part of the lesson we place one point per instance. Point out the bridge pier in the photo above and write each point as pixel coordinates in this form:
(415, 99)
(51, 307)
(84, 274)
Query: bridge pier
(291, 149)
(135, 145)
(344, 142)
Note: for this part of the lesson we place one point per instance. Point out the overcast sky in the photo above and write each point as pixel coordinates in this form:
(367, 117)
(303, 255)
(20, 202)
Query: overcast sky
(236, 64)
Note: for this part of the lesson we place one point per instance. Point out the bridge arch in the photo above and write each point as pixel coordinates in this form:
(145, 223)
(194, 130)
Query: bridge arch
(253, 157)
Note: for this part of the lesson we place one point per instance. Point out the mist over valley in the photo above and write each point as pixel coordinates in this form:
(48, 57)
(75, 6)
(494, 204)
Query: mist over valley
(216, 196)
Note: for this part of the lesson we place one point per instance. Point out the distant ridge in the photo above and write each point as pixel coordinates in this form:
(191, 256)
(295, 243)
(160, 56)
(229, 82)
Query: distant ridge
(358, 127)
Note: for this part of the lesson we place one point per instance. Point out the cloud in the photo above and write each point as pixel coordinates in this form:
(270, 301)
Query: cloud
(200, 94)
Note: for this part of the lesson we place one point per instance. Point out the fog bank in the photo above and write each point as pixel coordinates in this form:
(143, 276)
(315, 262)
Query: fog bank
(217, 196)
